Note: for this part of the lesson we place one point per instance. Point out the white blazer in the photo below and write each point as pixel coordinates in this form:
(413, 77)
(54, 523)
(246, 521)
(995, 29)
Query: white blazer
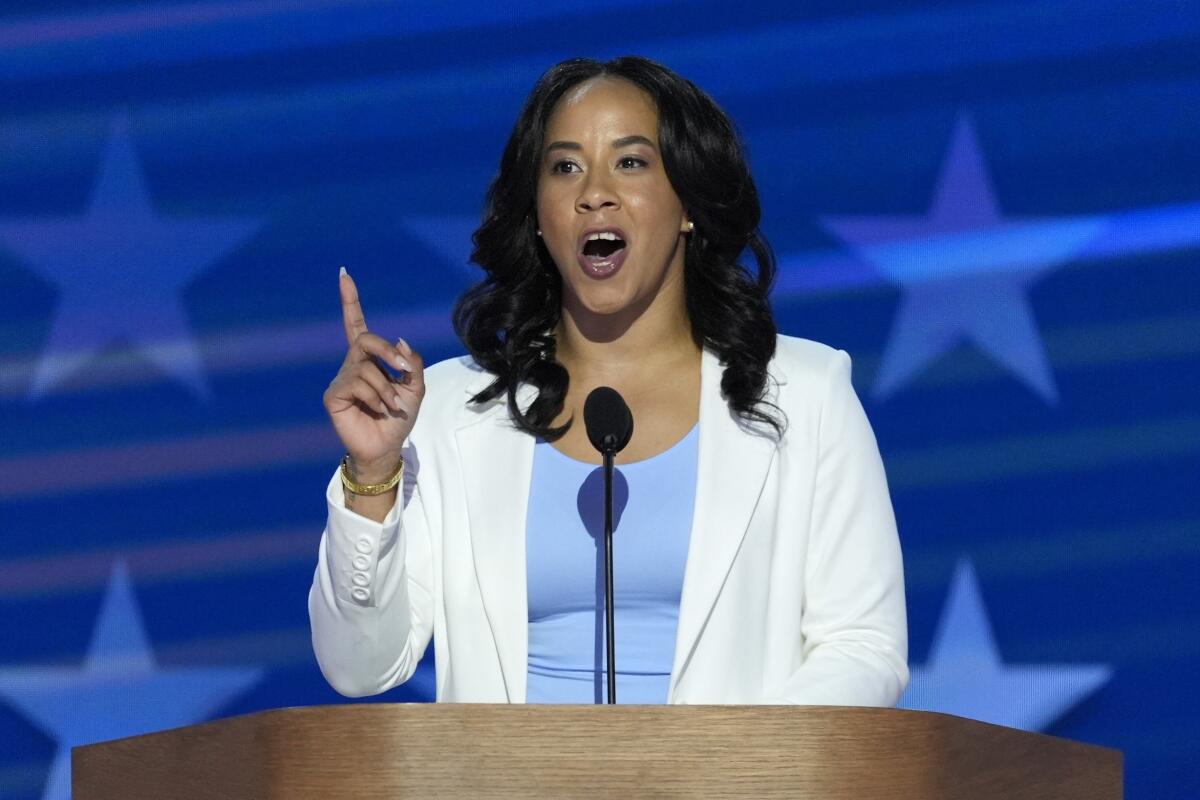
(793, 590)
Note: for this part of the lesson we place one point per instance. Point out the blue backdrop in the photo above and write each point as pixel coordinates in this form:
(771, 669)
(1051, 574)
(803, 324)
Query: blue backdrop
(994, 207)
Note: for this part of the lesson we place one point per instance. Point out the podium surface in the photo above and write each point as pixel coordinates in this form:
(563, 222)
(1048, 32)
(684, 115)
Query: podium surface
(447, 750)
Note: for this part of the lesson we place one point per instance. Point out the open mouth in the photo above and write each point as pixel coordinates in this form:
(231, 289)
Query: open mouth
(602, 252)
(602, 245)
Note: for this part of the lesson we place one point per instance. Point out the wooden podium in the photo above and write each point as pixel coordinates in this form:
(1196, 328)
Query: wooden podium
(443, 750)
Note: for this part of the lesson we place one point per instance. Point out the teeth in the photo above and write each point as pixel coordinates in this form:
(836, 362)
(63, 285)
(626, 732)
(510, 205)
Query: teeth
(609, 235)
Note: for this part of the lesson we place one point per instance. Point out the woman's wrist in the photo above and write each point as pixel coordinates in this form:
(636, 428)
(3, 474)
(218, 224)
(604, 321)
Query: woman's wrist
(371, 472)
(370, 492)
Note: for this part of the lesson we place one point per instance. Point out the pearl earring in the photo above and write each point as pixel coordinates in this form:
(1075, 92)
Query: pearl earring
(691, 226)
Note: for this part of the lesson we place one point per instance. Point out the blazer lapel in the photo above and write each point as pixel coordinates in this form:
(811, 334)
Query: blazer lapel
(733, 465)
(497, 464)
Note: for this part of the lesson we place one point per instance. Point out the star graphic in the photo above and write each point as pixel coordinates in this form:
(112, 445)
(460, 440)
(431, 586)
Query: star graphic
(964, 271)
(965, 676)
(119, 691)
(120, 269)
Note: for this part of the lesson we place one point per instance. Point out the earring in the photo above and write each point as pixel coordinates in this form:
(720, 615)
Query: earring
(539, 231)
(691, 226)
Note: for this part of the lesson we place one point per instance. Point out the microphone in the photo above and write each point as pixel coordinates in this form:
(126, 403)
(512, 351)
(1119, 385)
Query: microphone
(607, 419)
(609, 428)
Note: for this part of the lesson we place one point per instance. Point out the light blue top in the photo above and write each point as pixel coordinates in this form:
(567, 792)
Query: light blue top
(652, 522)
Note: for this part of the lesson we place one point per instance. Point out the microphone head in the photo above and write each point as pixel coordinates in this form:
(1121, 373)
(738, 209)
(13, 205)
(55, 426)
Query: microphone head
(607, 419)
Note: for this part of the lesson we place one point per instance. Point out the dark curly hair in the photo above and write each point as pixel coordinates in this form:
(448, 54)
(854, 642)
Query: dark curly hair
(507, 321)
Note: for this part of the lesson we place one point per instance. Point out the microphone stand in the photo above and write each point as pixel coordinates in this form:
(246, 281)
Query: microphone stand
(609, 616)
(609, 428)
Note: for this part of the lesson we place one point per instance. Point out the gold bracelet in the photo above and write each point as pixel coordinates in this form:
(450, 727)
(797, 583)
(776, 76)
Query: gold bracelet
(369, 489)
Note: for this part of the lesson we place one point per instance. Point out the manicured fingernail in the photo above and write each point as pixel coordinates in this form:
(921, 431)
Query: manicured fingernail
(402, 364)
(402, 343)
(341, 271)
(396, 399)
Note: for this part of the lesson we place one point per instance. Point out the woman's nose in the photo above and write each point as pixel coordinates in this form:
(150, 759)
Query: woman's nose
(596, 193)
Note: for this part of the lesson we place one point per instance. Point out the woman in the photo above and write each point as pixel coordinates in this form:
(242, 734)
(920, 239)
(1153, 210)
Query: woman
(757, 559)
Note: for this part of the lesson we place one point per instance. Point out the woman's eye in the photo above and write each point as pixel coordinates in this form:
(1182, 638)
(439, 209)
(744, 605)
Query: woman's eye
(631, 162)
(564, 167)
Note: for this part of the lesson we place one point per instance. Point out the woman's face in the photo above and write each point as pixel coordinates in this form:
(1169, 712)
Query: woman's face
(606, 210)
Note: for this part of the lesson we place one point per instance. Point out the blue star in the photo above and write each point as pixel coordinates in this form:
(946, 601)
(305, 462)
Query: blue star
(118, 691)
(964, 272)
(120, 269)
(965, 676)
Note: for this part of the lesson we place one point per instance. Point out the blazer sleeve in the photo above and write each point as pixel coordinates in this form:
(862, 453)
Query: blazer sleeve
(371, 602)
(854, 624)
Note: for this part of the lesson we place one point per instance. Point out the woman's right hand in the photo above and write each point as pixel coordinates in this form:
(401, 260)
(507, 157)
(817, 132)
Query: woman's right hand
(372, 411)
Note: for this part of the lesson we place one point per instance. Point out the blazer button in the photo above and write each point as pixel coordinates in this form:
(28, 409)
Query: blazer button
(361, 562)
(361, 595)
(361, 579)
(363, 545)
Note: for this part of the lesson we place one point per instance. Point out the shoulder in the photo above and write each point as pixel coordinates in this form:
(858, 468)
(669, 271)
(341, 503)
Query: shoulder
(459, 372)
(807, 363)
(807, 380)
(449, 387)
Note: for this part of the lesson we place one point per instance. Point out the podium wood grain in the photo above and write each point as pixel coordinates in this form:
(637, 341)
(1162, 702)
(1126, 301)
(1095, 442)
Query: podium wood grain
(427, 750)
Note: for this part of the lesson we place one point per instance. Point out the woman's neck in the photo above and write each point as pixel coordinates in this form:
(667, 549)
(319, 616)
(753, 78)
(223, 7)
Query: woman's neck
(635, 341)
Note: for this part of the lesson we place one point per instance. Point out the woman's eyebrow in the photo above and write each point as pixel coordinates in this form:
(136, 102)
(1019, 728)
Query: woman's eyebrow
(624, 141)
(562, 146)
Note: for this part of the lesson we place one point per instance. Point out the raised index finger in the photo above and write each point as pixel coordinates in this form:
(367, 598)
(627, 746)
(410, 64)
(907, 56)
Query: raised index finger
(352, 313)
